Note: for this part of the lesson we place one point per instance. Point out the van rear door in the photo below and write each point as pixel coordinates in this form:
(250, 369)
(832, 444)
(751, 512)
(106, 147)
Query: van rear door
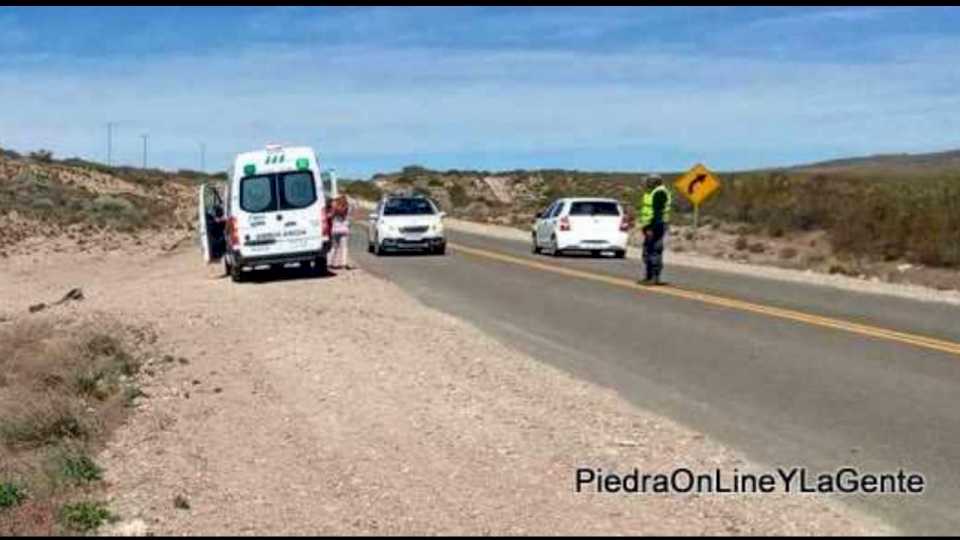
(209, 208)
(281, 213)
(299, 211)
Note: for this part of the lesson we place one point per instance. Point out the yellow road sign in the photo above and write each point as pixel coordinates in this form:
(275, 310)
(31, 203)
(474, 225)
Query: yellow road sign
(697, 184)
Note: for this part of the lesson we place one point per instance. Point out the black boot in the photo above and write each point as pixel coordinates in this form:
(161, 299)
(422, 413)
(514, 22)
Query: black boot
(647, 280)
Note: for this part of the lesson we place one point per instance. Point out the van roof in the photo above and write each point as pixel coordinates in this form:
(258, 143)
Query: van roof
(259, 156)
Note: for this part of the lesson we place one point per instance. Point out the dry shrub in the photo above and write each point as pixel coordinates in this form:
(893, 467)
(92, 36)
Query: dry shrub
(66, 387)
(34, 517)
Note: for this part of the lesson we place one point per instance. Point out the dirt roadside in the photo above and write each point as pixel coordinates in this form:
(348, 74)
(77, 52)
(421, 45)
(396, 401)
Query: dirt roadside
(341, 405)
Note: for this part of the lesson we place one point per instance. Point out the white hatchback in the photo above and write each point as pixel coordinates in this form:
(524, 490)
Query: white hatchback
(406, 222)
(595, 225)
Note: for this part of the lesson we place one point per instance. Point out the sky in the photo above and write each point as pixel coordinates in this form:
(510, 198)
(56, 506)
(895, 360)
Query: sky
(374, 89)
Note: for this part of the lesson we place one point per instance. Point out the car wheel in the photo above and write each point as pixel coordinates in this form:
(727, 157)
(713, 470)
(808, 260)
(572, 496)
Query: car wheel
(369, 247)
(556, 248)
(441, 250)
(377, 249)
(620, 253)
(536, 248)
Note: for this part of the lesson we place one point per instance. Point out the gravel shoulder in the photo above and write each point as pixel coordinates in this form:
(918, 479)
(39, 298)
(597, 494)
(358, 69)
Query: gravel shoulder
(341, 405)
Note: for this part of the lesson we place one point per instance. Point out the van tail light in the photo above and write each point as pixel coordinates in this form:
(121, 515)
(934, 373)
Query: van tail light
(624, 223)
(232, 233)
(564, 223)
(324, 224)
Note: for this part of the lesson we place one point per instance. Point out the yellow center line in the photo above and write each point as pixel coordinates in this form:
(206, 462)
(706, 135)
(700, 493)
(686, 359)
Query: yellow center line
(817, 320)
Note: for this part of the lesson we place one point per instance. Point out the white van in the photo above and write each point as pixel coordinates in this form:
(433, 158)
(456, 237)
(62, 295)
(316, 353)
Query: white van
(274, 212)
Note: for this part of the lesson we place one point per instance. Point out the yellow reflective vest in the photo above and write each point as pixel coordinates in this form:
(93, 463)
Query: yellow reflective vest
(646, 206)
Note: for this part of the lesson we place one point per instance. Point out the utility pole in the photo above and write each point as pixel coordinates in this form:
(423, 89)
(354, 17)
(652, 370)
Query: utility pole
(110, 142)
(144, 137)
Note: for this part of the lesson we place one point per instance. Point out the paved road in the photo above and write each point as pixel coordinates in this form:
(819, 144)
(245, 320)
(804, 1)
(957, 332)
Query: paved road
(781, 391)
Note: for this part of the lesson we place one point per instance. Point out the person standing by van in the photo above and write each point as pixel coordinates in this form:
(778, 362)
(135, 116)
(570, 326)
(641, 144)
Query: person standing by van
(340, 232)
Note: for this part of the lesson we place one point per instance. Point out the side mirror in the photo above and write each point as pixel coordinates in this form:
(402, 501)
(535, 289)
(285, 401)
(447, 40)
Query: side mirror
(539, 215)
(443, 215)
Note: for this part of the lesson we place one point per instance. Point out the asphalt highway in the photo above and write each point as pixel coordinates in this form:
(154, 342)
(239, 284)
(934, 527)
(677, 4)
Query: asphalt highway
(788, 374)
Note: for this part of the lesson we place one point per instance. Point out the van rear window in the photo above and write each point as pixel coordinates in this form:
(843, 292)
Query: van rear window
(297, 190)
(595, 208)
(257, 194)
(273, 192)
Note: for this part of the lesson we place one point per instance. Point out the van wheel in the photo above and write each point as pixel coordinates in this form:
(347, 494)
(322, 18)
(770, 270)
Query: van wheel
(320, 266)
(236, 273)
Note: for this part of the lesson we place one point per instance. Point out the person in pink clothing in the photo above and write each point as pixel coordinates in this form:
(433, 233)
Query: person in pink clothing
(340, 233)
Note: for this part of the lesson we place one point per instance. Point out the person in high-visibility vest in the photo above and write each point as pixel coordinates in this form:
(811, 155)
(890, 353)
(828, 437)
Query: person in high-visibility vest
(654, 213)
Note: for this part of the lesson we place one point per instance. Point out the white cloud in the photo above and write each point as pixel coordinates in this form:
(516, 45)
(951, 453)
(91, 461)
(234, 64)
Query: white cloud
(377, 102)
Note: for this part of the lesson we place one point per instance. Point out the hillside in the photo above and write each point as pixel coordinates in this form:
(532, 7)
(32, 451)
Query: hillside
(909, 164)
(870, 216)
(46, 204)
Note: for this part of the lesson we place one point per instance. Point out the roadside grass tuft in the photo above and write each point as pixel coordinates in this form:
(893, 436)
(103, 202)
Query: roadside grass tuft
(84, 516)
(11, 495)
(77, 467)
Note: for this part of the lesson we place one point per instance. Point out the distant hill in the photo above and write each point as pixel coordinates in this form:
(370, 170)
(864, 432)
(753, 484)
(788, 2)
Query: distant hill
(888, 164)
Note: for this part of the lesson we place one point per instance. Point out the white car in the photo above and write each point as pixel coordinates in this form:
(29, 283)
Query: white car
(406, 222)
(596, 225)
(271, 215)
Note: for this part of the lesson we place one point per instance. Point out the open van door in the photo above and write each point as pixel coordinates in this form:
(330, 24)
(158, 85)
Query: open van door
(329, 180)
(212, 238)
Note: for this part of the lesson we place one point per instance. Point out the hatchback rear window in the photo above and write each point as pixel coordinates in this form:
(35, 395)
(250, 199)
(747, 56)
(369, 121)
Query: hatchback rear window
(594, 208)
(273, 192)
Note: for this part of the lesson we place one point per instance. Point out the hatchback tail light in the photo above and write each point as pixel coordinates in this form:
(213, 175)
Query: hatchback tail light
(564, 223)
(624, 223)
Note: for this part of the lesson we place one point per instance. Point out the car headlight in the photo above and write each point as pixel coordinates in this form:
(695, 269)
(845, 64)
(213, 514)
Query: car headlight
(437, 227)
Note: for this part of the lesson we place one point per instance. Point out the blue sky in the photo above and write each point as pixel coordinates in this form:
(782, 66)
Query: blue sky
(374, 89)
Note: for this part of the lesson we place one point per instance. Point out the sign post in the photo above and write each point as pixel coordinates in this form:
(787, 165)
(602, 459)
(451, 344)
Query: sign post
(697, 185)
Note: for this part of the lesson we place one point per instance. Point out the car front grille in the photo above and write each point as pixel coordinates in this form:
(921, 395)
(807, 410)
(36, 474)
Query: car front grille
(414, 230)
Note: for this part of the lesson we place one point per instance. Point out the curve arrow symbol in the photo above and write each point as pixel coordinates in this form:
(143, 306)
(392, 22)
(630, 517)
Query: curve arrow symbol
(692, 186)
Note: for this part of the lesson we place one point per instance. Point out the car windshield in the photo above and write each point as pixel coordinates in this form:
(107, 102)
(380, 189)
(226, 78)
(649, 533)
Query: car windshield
(407, 207)
(595, 208)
